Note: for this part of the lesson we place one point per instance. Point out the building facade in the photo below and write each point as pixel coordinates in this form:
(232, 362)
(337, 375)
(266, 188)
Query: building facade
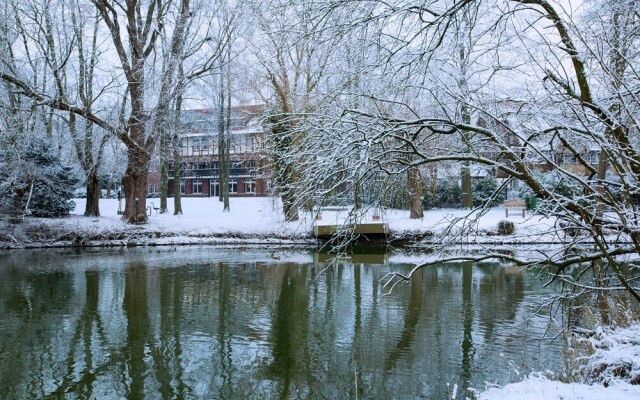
(199, 153)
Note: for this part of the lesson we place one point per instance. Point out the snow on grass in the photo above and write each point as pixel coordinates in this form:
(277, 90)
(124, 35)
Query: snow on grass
(262, 217)
(537, 387)
(612, 372)
(616, 356)
(201, 216)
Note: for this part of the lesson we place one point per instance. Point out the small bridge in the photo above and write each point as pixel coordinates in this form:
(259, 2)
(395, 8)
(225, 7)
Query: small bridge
(332, 221)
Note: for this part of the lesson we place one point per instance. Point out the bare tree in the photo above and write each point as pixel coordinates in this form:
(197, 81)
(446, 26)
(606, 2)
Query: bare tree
(134, 46)
(88, 152)
(548, 97)
(294, 60)
(208, 34)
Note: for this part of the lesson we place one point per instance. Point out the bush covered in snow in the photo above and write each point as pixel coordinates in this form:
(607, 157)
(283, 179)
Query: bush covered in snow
(35, 183)
(616, 355)
(506, 227)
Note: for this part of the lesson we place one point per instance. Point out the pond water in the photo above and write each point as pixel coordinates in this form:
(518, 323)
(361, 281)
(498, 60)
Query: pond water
(255, 324)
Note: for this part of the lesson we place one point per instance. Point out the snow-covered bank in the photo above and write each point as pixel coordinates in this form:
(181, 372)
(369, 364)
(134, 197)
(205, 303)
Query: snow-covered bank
(611, 372)
(540, 388)
(257, 220)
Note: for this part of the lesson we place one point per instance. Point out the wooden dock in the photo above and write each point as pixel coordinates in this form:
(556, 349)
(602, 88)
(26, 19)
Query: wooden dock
(363, 228)
(354, 258)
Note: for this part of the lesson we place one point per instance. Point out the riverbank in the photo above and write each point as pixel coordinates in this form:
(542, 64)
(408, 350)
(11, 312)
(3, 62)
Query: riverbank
(259, 220)
(610, 371)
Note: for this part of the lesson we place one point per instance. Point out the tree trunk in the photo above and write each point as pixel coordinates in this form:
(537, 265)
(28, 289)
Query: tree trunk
(177, 197)
(226, 207)
(164, 177)
(414, 181)
(465, 175)
(289, 207)
(134, 183)
(93, 195)
(177, 201)
(433, 186)
(109, 187)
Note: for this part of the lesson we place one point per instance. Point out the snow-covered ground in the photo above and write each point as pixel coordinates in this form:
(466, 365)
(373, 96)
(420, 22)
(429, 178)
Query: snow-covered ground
(539, 388)
(260, 220)
(200, 216)
(263, 216)
(613, 371)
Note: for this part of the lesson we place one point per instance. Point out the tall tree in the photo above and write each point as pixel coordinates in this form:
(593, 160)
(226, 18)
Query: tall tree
(543, 86)
(207, 35)
(134, 44)
(294, 61)
(84, 139)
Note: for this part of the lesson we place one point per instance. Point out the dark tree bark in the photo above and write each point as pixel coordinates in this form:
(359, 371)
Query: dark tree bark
(414, 183)
(93, 194)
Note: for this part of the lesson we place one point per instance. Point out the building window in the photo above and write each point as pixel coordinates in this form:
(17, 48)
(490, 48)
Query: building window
(182, 186)
(201, 165)
(250, 165)
(214, 188)
(250, 144)
(249, 186)
(568, 158)
(197, 186)
(593, 157)
(233, 186)
(199, 144)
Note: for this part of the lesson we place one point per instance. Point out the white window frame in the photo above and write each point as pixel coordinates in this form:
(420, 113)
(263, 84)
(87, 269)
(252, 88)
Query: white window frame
(233, 183)
(196, 183)
(251, 183)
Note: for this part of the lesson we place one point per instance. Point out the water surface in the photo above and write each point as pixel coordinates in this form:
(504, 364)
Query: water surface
(256, 324)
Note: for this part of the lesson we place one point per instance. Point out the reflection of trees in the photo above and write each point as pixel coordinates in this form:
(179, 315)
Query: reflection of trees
(357, 328)
(261, 331)
(167, 353)
(82, 342)
(138, 329)
(412, 314)
(224, 332)
(288, 334)
(501, 292)
(33, 309)
(467, 325)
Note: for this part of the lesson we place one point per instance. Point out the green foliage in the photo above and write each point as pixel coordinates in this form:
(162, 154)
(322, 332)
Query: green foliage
(449, 194)
(484, 192)
(36, 176)
(555, 183)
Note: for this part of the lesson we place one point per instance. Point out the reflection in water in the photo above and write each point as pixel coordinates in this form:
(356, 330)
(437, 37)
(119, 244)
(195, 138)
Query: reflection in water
(210, 323)
(411, 315)
(138, 330)
(467, 317)
(288, 333)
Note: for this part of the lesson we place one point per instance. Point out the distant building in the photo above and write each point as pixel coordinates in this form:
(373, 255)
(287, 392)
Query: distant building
(200, 164)
(542, 152)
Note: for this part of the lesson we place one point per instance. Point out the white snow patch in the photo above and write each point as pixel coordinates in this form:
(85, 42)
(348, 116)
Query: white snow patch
(537, 387)
(615, 362)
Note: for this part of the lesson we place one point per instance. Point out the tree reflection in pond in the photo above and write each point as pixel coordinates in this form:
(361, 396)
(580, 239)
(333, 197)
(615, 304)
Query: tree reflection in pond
(211, 323)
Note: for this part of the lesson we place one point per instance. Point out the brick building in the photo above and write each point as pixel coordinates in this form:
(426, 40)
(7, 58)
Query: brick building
(200, 164)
